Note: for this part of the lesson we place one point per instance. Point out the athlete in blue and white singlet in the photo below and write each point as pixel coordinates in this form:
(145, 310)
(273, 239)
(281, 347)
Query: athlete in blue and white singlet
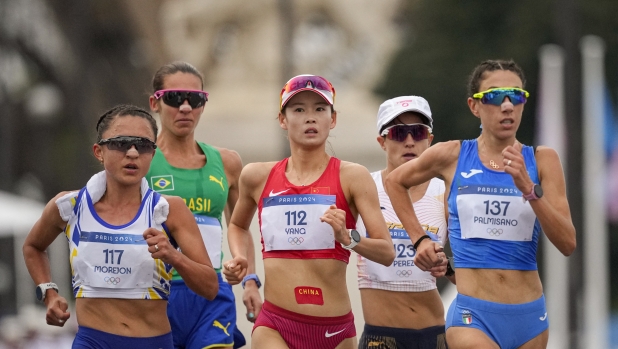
(501, 194)
(127, 270)
(123, 239)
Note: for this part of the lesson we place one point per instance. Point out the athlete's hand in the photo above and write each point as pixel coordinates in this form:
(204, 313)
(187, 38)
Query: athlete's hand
(159, 246)
(428, 255)
(515, 165)
(253, 301)
(57, 314)
(336, 218)
(440, 270)
(235, 270)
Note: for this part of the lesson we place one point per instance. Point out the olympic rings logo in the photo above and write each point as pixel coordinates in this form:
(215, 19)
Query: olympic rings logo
(112, 280)
(404, 273)
(295, 240)
(494, 231)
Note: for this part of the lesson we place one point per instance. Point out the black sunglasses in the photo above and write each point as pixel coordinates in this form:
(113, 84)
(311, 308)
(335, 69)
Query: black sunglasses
(124, 143)
(175, 98)
(400, 132)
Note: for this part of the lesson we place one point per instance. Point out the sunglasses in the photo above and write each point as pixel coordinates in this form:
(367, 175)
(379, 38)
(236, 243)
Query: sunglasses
(175, 98)
(307, 83)
(496, 96)
(400, 132)
(124, 143)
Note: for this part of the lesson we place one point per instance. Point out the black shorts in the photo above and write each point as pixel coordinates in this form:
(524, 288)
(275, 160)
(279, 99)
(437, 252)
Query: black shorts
(376, 337)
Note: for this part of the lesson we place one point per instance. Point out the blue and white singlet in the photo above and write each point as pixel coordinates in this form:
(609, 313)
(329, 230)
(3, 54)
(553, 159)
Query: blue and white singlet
(491, 226)
(109, 261)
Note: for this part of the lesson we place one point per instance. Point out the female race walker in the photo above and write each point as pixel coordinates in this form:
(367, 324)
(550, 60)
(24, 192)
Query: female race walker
(122, 238)
(401, 304)
(206, 178)
(307, 209)
(500, 195)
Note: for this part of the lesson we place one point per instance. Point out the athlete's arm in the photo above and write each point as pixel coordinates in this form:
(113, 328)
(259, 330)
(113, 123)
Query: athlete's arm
(252, 180)
(364, 198)
(233, 167)
(42, 234)
(439, 161)
(193, 264)
(552, 210)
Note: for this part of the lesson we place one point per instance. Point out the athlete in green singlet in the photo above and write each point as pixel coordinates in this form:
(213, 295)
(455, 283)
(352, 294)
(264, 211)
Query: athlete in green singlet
(206, 178)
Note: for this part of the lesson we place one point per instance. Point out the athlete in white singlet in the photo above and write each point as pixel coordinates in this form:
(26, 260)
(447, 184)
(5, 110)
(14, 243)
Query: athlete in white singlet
(401, 304)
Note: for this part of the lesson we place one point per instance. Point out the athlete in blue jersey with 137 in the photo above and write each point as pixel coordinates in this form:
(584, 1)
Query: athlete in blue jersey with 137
(500, 194)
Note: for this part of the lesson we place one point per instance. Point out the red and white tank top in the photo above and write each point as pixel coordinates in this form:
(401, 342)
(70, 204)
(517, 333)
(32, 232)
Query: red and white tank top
(289, 215)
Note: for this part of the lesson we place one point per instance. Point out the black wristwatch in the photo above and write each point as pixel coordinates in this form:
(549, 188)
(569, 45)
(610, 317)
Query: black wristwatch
(449, 270)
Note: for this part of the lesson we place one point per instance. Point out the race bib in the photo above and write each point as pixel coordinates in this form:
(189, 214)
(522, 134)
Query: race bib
(403, 267)
(114, 260)
(292, 222)
(494, 213)
(212, 234)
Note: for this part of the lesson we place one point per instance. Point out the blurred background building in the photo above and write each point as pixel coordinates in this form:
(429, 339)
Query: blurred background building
(62, 63)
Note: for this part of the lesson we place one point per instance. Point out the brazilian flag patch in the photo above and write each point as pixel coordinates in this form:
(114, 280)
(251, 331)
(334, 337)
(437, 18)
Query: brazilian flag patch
(162, 183)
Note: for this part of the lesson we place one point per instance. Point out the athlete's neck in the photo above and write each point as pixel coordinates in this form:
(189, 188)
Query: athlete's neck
(492, 145)
(182, 152)
(305, 167)
(183, 147)
(120, 195)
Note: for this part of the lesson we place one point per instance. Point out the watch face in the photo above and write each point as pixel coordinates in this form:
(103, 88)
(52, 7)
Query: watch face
(355, 235)
(538, 191)
(39, 293)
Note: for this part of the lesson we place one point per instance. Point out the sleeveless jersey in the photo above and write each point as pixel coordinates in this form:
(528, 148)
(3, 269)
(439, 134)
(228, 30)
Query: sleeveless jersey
(491, 226)
(204, 190)
(289, 215)
(403, 275)
(112, 261)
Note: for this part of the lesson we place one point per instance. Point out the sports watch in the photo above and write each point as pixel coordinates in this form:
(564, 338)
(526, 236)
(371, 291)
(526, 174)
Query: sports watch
(535, 193)
(449, 269)
(354, 239)
(41, 290)
(251, 277)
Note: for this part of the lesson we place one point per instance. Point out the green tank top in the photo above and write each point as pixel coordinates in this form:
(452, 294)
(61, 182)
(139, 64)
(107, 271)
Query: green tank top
(204, 190)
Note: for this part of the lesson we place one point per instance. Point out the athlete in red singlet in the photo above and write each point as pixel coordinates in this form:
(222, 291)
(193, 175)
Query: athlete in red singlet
(308, 205)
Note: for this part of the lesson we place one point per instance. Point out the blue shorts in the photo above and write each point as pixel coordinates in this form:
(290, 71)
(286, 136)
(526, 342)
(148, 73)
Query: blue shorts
(198, 323)
(509, 325)
(378, 337)
(89, 338)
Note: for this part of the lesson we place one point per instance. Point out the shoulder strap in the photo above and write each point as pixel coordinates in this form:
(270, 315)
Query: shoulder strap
(78, 199)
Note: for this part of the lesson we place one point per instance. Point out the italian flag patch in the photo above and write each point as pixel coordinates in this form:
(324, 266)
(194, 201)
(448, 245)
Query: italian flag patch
(467, 319)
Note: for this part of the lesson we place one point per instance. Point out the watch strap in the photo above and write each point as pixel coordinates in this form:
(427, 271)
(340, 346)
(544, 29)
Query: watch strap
(532, 195)
(46, 286)
(352, 244)
(253, 277)
(449, 270)
(418, 242)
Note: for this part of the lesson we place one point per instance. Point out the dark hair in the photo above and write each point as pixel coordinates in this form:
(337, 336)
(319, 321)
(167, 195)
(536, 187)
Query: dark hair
(124, 110)
(173, 68)
(474, 81)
